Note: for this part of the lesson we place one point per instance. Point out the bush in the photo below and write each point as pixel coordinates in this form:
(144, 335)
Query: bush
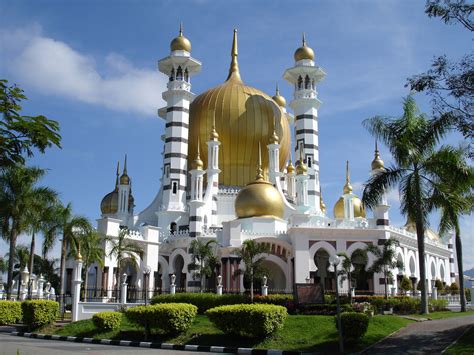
(203, 301)
(453, 289)
(323, 309)
(438, 305)
(406, 284)
(354, 326)
(170, 318)
(106, 321)
(251, 320)
(287, 301)
(10, 312)
(467, 292)
(39, 313)
(439, 285)
(364, 307)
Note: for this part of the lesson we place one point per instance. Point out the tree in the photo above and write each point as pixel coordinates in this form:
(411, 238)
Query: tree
(405, 284)
(90, 245)
(348, 269)
(450, 84)
(454, 198)
(19, 135)
(386, 260)
(251, 253)
(120, 247)
(18, 195)
(204, 261)
(412, 140)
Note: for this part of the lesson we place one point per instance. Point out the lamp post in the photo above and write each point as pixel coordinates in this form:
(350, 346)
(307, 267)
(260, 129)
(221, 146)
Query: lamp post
(334, 260)
(146, 274)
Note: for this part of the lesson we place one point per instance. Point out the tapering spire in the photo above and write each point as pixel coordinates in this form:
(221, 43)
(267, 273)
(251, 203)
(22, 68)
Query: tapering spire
(347, 186)
(274, 139)
(277, 90)
(124, 179)
(259, 176)
(234, 65)
(117, 175)
(377, 163)
(304, 40)
(214, 136)
(125, 165)
(181, 29)
(198, 164)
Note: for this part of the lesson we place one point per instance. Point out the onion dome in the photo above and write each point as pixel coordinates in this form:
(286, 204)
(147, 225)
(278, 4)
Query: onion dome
(259, 198)
(301, 168)
(377, 163)
(322, 205)
(290, 168)
(197, 163)
(274, 138)
(280, 100)
(430, 234)
(304, 52)
(359, 210)
(180, 43)
(243, 116)
(109, 204)
(125, 179)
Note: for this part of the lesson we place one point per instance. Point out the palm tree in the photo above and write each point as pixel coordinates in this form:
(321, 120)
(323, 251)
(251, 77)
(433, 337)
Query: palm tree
(70, 227)
(348, 269)
(251, 253)
(412, 139)
(203, 262)
(91, 246)
(18, 192)
(385, 260)
(121, 247)
(454, 198)
(20, 259)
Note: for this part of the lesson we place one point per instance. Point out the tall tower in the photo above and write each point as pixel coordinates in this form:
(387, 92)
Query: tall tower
(304, 76)
(124, 194)
(381, 210)
(179, 66)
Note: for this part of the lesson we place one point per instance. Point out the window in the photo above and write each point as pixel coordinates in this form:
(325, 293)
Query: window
(309, 161)
(179, 73)
(172, 75)
(167, 170)
(173, 228)
(306, 82)
(300, 82)
(175, 187)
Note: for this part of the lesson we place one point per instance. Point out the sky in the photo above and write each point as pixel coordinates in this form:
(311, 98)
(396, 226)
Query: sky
(92, 66)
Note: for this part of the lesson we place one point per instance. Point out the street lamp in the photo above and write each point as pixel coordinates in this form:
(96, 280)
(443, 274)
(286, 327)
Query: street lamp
(334, 260)
(146, 274)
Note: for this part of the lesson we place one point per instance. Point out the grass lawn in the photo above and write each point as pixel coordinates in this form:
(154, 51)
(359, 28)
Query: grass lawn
(465, 345)
(444, 314)
(300, 333)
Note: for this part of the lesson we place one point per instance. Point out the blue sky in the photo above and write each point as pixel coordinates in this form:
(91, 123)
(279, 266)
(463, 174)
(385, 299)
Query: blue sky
(91, 65)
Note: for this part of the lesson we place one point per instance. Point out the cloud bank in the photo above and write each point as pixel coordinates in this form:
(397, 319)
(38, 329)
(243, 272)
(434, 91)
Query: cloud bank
(54, 68)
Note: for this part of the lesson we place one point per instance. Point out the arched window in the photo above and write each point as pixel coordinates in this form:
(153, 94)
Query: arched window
(300, 82)
(179, 73)
(175, 187)
(172, 74)
(309, 162)
(186, 74)
(306, 82)
(173, 228)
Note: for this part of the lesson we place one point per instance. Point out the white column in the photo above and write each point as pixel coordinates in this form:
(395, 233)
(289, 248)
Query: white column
(76, 289)
(40, 286)
(123, 289)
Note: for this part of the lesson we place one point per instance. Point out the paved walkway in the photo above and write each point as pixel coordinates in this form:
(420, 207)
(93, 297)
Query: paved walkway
(425, 337)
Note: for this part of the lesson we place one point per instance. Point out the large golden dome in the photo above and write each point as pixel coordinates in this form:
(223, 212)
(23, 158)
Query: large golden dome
(109, 204)
(244, 116)
(259, 198)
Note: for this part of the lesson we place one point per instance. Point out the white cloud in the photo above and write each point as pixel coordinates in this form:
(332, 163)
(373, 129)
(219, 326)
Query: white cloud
(55, 68)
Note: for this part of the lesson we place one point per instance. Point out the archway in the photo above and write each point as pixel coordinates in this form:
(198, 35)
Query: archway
(323, 276)
(178, 266)
(276, 277)
(363, 280)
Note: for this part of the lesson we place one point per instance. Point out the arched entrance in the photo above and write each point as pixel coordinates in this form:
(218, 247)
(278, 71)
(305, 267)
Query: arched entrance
(363, 280)
(276, 277)
(323, 276)
(178, 266)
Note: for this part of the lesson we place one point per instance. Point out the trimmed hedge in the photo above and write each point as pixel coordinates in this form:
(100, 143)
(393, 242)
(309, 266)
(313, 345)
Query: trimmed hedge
(323, 309)
(203, 301)
(10, 312)
(108, 320)
(38, 313)
(438, 305)
(170, 318)
(354, 326)
(251, 320)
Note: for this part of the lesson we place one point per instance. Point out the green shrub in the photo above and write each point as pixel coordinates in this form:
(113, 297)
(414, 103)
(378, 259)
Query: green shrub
(251, 320)
(467, 292)
(277, 299)
(10, 312)
(406, 284)
(322, 309)
(106, 321)
(170, 318)
(438, 305)
(453, 289)
(203, 301)
(439, 285)
(38, 313)
(354, 326)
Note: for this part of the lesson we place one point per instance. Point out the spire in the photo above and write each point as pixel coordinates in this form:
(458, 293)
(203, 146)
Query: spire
(301, 168)
(347, 187)
(234, 65)
(125, 165)
(214, 136)
(117, 175)
(304, 40)
(124, 179)
(181, 29)
(377, 163)
(259, 176)
(277, 91)
(198, 164)
(274, 139)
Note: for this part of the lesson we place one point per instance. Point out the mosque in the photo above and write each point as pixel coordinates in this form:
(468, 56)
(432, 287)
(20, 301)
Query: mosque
(229, 175)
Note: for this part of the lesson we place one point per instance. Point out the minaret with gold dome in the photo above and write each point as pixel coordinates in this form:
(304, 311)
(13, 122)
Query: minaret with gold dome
(304, 76)
(302, 193)
(124, 193)
(381, 216)
(179, 66)
(349, 206)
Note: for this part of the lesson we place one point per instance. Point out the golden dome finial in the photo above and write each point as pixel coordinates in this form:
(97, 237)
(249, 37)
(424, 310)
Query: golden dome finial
(377, 163)
(322, 205)
(180, 43)
(304, 52)
(290, 169)
(280, 100)
(259, 176)
(301, 168)
(304, 40)
(234, 65)
(125, 165)
(198, 164)
(274, 139)
(214, 136)
(347, 187)
(117, 176)
(124, 179)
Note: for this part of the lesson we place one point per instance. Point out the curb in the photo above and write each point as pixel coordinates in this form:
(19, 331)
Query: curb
(166, 346)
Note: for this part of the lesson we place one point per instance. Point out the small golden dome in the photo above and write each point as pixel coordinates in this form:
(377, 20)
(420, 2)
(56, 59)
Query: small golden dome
(274, 138)
(197, 163)
(304, 52)
(259, 198)
(125, 179)
(359, 210)
(301, 168)
(214, 136)
(180, 43)
(280, 100)
(347, 186)
(290, 168)
(410, 226)
(109, 204)
(377, 163)
(322, 205)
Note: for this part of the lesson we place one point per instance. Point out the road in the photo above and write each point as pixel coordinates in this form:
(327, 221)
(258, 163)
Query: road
(15, 345)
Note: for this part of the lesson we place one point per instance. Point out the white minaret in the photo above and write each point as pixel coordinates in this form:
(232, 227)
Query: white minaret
(196, 203)
(348, 196)
(179, 66)
(304, 76)
(274, 158)
(381, 210)
(290, 181)
(302, 178)
(124, 193)
(212, 172)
